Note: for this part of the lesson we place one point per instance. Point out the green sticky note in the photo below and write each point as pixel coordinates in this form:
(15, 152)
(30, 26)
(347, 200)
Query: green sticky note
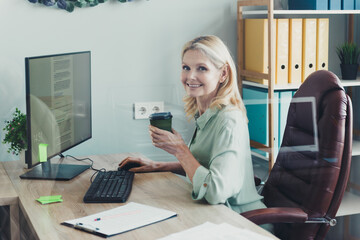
(43, 152)
(49, 199)
(47, 202)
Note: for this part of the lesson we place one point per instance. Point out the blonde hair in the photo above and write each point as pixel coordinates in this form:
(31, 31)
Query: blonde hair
(217, 52)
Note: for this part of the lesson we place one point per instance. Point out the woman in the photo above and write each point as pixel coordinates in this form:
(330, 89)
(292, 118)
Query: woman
(218, 159)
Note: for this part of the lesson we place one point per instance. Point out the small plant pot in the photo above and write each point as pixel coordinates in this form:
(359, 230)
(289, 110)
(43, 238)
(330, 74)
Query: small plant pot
(349, 71)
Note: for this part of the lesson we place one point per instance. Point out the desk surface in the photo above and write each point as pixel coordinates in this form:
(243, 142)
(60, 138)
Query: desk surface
(8, 194)
(163, 190)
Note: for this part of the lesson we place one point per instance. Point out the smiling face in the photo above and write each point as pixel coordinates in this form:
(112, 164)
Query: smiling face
(200, 77)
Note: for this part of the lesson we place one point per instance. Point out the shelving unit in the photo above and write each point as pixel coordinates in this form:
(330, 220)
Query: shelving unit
(270, 14)
(351, 202)
(271, 70)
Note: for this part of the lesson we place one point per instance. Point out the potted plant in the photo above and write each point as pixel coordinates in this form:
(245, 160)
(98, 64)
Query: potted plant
(348, 54)
(15, 133)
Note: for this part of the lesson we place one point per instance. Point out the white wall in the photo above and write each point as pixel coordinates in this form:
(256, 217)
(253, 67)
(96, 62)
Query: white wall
(135, 57)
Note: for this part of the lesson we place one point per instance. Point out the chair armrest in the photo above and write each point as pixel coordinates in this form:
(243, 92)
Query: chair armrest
(276, 215)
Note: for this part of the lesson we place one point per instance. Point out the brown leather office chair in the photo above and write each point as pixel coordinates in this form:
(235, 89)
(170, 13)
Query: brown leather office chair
(305, 186)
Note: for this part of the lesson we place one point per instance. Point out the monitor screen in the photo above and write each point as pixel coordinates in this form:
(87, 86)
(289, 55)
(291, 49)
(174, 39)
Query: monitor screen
(58, 104)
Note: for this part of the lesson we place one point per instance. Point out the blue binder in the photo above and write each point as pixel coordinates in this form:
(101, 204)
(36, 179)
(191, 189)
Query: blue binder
(347, 4)
(335, 4)
(308, 4)
(357, 4)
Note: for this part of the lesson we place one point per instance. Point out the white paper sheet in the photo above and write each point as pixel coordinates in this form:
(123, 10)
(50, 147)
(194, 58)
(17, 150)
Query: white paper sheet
(211, 231)
(120, 219)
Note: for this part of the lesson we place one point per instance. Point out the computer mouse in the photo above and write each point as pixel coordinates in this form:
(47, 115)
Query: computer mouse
(129, 166)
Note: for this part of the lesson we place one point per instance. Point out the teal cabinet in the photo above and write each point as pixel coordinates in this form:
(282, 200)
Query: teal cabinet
(256, 103)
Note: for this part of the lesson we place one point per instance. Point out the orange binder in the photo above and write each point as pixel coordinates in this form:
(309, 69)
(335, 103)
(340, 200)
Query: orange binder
(322, 44)
(282, 51)
(256, 47)
(309, 47)
(295, 50)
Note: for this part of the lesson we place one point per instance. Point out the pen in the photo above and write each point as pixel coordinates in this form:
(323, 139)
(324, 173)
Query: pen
(81, 226)
(97, 219)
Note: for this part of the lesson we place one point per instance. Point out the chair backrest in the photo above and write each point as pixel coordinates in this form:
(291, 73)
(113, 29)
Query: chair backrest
(314, 181)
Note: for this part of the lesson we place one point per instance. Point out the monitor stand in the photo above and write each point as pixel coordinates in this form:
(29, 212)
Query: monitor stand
(49, 171)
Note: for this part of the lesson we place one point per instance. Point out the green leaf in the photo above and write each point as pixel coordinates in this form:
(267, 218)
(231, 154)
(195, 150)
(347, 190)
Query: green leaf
(348, 53)
(81, 3)
(70, 7)
(93, 3)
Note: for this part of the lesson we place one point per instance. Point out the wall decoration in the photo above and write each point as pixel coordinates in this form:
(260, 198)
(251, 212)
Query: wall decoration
(69, 5)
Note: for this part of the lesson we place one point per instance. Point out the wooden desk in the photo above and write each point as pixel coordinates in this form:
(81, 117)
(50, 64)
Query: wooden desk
(9, 197)
(163, 190)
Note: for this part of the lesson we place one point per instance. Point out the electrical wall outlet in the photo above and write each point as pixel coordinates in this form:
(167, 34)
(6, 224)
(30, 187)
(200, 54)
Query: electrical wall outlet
(142, 110)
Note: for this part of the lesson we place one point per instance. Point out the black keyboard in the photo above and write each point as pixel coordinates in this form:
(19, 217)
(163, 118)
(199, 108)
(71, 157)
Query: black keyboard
(110, 187)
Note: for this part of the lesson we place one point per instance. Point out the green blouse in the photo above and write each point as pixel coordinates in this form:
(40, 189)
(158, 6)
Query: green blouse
(221, 145)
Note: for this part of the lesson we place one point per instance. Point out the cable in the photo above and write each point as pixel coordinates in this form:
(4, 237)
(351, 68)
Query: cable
(91, 166)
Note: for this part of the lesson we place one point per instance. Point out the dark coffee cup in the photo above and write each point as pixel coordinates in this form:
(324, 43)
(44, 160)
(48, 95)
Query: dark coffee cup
(161, 120)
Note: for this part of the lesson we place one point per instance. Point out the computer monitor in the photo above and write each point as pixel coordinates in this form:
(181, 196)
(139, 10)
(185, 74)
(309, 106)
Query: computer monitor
(58, 112)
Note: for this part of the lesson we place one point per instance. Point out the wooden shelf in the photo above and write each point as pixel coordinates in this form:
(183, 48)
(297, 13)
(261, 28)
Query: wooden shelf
(350, 204)
(351, 83)
(301, 12)
(355, 151)
(276, 87)
(345, 83)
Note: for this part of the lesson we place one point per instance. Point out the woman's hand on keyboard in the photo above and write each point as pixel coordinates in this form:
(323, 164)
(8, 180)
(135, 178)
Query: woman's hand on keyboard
(135, 164)
(142, 165)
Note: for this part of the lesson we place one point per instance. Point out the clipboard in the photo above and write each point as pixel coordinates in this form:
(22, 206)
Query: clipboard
(119, 220)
